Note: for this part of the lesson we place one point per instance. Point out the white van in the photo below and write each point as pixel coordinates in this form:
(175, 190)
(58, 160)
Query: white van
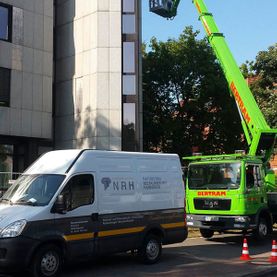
(75, 204)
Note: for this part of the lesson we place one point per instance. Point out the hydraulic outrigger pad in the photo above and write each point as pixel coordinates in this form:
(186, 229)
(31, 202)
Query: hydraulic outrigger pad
(164, 8)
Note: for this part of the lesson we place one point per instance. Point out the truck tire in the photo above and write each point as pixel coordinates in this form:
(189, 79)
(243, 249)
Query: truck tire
(206, 233)
(262, 230)
(47, 261)
(151, 249)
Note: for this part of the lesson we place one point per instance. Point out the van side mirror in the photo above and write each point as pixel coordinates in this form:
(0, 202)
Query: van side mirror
(59, 206)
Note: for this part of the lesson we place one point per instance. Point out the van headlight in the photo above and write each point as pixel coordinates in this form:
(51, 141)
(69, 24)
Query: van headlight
(14, 229)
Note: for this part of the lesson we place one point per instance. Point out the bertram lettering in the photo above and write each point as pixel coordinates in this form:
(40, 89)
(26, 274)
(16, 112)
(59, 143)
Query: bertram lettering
(118, 184)
(211, 193)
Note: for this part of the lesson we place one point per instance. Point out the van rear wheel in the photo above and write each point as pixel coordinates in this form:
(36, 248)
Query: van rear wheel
(47, 261)
(206, 233)
(151, 249)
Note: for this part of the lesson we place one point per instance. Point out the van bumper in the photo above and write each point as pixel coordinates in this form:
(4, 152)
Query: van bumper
(15, 253)
(220, 222)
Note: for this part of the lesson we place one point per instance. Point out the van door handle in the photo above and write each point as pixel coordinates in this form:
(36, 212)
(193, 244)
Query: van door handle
(94, 217)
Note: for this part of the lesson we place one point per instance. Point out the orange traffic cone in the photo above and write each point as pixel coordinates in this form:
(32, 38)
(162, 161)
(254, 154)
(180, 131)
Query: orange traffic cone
(245, 253)
(273, 257)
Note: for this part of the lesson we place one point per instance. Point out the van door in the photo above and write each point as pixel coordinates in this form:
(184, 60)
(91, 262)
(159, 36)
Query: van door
(79, 222)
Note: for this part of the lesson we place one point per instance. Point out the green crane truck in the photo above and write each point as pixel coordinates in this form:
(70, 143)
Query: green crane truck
(236, 191)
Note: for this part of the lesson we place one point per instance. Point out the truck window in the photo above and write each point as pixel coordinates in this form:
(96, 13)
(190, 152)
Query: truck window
(253, 176)
(214, 176)
(79, 191)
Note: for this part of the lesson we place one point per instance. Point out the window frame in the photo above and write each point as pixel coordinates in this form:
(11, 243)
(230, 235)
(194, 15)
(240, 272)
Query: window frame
(68, 183)
(10, 19)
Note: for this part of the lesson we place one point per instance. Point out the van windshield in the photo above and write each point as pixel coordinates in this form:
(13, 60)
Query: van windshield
(214, 176)
(35, 190)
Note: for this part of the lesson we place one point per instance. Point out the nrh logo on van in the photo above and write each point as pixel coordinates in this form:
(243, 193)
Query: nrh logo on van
(118, 184)
(211, 193)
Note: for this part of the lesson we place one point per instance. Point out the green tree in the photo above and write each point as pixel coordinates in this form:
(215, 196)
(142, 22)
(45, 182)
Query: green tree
(186, 98)
(263, 73)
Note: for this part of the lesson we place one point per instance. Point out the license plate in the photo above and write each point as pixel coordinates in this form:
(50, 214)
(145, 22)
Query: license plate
(211, 218)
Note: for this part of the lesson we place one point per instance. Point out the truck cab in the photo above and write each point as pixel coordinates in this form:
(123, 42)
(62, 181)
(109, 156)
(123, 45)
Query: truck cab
(228, 193)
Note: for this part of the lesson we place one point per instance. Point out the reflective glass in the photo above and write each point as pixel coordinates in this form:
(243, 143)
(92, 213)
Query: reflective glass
(129, 85)
(129, 26)
(128, 57)
(4, 23)
(129, 127)
(129, 6)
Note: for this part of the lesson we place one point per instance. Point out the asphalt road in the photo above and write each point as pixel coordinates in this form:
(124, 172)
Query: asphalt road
(195, 257)
(219, 256)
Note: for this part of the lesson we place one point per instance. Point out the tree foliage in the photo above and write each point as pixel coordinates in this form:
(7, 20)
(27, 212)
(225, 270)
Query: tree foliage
(263, 73)
(186, 99)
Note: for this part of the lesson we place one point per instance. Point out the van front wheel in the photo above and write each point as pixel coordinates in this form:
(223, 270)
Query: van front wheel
(47, 261)
(151, 249)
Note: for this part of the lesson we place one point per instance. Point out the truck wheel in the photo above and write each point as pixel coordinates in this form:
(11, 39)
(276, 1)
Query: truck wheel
(262, 230)
(206, 233)
(151, 249)
(47, 261)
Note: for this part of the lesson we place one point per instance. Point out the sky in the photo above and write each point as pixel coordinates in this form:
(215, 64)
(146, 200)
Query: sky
(249, 26)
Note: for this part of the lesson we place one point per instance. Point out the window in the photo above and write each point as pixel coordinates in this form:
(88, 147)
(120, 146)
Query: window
(78, 192)
(214, 176)
(5, 81)
(129, 6)
(36, 190)
(129, 24)
(128, 57)
(129, 85)
(5, 22)
(253, 176)
(129, 126)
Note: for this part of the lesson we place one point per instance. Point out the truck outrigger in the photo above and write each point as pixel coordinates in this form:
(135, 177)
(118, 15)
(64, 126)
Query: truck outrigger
(230, 192)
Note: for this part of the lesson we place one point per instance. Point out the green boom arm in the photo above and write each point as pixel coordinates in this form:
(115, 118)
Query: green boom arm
(260, 137)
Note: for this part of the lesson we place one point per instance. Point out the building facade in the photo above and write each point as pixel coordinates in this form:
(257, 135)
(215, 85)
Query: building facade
(69, 77)
(97, 69)
(26, 51)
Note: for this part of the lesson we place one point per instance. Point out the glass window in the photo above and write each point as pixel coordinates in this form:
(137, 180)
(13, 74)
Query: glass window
(214, 176)
(253, 176)
(129, 25)
(35, 190)
(128, 57)
(129, 84)
(5, 80)
(6, 165)
(128, 6)
(78, 192)
(5, 22)
(129, 126)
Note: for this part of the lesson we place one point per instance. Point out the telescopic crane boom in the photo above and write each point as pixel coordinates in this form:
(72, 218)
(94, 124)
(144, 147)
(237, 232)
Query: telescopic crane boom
(260, 137)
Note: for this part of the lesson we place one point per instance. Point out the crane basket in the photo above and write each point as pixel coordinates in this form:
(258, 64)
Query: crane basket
(161, 7)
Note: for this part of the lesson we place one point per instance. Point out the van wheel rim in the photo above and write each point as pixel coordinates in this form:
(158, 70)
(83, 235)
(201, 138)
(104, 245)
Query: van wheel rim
(152, 249)
(49, 264)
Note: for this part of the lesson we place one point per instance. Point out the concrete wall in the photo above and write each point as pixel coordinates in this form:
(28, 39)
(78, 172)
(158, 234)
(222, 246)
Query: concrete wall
(88, 74)
(30, 58)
